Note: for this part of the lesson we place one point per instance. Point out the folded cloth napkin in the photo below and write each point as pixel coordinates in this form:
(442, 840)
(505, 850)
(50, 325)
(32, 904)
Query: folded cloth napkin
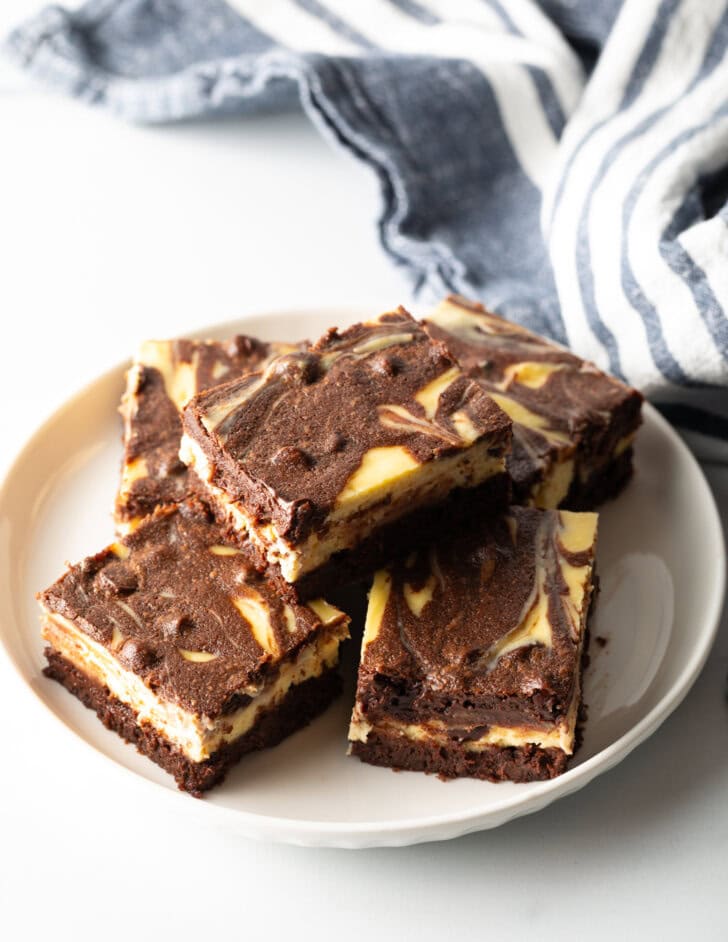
(566, 161)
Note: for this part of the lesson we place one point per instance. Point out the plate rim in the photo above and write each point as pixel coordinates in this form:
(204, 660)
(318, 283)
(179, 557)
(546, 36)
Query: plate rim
(444, 825)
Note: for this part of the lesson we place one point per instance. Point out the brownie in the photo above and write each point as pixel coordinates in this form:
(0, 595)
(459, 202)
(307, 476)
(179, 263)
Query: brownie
(573, 426)
(182, 649)
(164, 375)
(311, 460)
(472, 650)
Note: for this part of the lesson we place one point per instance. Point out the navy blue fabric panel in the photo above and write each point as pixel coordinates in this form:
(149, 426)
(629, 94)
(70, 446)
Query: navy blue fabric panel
(583, 19)
(697, 420)
(453, 202)
(148, 38)
(416, 11)
(335, 22)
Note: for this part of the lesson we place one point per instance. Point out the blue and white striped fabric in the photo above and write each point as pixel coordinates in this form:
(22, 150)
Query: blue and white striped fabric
(564, 160)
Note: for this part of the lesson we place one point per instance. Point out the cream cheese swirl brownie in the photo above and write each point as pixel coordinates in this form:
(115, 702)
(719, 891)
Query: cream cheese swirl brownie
(185, 652)
(573, 426)
(472, 650)
(164, 376)
(323, 451)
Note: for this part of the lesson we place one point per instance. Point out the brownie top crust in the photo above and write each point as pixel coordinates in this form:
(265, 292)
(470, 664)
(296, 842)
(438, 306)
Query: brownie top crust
(180, 609)
(493, 613)
(557, 401)
(314, 429)
(163, 377)
(553, 383)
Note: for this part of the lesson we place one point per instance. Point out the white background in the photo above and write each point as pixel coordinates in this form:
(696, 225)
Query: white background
(110, 234)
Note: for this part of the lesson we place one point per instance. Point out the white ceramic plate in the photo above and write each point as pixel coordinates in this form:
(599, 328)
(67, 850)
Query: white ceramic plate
(662, 569)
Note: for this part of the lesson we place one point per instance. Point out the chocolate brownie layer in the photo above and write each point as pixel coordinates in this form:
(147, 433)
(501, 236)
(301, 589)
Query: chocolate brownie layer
(475, 643)
(165, 374)
(573, 426)
(301, 704)
(495, 763)
(320, 450)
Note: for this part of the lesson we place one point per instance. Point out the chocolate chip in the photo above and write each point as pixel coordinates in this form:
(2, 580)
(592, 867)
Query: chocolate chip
(171, 465)
(136, 655)
(242, 346)
(90, 566)
(118, 579)
(335, 442)
(296, 367)
(385, 364)
(439, 355)
(310, 368)
(173, 625)
(292, 457)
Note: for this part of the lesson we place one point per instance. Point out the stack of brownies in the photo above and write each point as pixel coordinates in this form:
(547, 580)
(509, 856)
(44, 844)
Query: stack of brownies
(449, 465)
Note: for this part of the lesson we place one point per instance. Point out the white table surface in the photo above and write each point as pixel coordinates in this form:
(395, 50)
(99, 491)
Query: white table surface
(110, 234)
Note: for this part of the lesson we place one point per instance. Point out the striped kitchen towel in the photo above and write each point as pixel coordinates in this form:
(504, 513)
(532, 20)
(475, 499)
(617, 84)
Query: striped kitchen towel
(566, 161)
